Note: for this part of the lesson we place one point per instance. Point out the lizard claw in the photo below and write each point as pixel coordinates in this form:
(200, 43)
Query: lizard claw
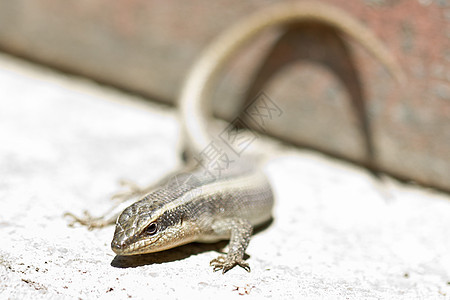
(226, 263)
(86, 220)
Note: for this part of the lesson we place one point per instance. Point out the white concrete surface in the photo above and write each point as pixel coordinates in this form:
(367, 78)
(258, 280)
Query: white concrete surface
(64, 145)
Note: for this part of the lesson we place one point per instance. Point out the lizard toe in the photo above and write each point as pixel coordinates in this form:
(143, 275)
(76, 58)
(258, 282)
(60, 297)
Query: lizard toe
(225, 264)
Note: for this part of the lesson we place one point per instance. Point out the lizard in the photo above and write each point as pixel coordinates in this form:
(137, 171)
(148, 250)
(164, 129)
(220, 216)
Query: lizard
(229, 207)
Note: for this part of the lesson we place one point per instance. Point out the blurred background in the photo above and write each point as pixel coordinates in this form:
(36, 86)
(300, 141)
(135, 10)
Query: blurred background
(335, 97)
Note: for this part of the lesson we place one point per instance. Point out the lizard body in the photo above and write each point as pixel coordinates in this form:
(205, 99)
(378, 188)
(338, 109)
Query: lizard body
(197, 207)
(227, 207)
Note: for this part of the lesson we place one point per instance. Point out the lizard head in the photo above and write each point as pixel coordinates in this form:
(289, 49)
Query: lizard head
(151, 225)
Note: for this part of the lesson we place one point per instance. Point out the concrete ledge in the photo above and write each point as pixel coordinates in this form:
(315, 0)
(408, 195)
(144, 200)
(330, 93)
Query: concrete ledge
(65, 143)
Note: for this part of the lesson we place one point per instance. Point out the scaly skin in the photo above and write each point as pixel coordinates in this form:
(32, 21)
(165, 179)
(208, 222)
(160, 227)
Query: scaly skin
(207, 209)
(198, 207)
(226, 211)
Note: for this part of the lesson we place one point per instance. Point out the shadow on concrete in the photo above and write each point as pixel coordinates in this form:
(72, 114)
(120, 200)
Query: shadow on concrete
(324, 45)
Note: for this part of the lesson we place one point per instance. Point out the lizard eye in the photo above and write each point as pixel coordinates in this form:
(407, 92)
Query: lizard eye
(151, 229)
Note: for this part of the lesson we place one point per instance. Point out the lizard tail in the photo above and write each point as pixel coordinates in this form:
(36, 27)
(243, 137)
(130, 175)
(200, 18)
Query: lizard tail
(193, 101)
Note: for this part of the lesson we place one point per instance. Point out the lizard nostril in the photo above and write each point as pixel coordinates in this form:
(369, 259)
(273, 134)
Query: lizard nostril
(116, 246)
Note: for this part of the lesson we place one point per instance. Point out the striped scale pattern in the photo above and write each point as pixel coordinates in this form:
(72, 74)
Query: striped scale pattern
(194, 206)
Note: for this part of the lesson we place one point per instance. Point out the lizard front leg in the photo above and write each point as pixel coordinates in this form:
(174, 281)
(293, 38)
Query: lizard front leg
(123, 199)
(108, 218)
(239, 231)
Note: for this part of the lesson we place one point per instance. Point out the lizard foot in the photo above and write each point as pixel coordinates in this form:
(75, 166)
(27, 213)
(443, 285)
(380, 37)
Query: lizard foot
(86, 220)
(225, 264)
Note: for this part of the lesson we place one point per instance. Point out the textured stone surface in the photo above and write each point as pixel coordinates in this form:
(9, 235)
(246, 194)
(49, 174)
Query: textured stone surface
(65, 143)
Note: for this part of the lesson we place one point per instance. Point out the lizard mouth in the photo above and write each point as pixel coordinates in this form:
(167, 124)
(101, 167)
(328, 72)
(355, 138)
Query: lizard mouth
(135, 248)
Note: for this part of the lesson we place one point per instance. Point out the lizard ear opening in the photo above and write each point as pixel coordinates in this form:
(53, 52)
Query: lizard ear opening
(151, 229)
